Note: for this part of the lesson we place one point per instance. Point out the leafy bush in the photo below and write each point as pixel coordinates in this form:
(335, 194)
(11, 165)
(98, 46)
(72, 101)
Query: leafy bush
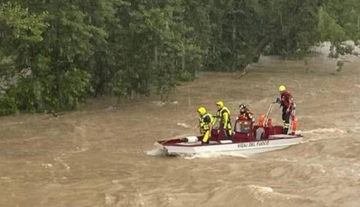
(186, 76)
(73, 87)
(7, 105)
(67, 91)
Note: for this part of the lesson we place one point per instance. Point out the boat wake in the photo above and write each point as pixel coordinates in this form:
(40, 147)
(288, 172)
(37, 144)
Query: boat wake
(325, 130)
(208, 155)
(214, 155)
(156, 152)
(256, 195)
(323, 134)
(261, 193)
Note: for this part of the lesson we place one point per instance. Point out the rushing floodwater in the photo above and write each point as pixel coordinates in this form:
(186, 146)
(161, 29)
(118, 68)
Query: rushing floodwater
(107, 156)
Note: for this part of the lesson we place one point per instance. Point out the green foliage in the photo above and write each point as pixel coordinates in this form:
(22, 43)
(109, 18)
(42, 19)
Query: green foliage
(21, 30)
(30, 94)
(50, 94)
(73, 86)
(339, 65)
(20, 25)
(340, 22)
(294, 27)
(53, 54)
(7, 105)
(118, 85)
(41, 75)
(186, 76)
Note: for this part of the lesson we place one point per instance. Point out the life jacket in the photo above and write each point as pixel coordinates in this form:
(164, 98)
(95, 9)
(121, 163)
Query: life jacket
(246, 115)
(220, 114)
(205, 126)
(262, 121)
(287, 99)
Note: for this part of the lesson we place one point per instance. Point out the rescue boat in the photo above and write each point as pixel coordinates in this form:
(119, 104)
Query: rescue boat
(248, 138)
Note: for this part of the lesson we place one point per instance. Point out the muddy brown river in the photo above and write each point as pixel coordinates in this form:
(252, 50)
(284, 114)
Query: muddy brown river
(106, 154)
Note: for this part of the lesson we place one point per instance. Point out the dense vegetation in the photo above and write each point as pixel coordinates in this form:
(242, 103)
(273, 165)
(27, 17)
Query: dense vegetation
(54, 54)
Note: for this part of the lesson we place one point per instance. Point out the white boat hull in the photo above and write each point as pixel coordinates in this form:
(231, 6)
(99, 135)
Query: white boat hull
(245, 148)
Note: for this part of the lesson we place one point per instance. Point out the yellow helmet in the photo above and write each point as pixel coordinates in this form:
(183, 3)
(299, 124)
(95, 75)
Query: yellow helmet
(201, 110)
(220, 103)
(282, 88)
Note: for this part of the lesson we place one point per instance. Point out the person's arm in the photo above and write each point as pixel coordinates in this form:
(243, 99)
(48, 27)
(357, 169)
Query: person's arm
(290, 100)
(210, 128)
(226, 118)
(207, 120)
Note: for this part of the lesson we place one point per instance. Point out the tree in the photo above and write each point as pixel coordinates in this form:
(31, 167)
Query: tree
(21, 31)
(339, 22)
(56, 53)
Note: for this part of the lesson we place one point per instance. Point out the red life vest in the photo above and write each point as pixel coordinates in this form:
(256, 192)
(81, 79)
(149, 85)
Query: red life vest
(246, 115)
(286, 99)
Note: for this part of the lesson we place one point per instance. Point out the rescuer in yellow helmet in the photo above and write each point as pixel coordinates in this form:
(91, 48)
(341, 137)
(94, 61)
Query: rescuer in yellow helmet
(205, 124)
(286, 101)
(282, 88)
(223, 116)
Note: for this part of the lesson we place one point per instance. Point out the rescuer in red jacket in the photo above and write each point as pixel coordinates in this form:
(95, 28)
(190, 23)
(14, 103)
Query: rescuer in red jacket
(287, 103)
(245, 113)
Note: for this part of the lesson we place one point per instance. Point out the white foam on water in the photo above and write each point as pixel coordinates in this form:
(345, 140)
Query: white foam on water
(159, 103)
(183, 125)
(200, 155)
(5, 179)
(262, 193)
(285, 159)
(259, 192)
(322, 134)
(47, 165)
(110, 199)
(210, 155)
(233, 154)
(353, 130)
(261, 189)
(315, 139)
(156, 152)
(325, 130)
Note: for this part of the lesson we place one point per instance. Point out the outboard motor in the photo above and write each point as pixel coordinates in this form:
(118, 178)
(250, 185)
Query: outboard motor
(259, 133)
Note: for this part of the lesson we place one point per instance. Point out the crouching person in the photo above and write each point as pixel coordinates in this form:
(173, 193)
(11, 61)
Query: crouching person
(245, 113)
(205, 125)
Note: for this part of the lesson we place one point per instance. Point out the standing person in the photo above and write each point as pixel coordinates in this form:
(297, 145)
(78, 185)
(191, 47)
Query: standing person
(205, 124)
(287, 103)
(245, 113)
(223, 113)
